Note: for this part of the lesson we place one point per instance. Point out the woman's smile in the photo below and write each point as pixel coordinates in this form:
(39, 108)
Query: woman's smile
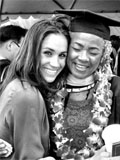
(52, 72)
(53, 56)
(80, 67)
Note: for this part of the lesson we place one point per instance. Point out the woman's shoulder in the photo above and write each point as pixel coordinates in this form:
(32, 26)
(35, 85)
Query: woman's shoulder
(21, 90)
(17, 86)
(21, 95)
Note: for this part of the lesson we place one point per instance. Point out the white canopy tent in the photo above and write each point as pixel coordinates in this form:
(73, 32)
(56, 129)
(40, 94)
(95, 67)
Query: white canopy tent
(26, 12)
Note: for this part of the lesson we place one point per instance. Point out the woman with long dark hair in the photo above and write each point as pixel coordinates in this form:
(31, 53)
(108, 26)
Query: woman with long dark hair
(23, 115)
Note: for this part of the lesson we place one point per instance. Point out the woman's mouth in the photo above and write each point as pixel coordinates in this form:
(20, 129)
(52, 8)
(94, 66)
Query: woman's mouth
(80, 67)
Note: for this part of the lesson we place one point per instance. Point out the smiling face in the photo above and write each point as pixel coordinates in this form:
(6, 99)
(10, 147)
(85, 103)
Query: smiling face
(53, 56)
(85, 54)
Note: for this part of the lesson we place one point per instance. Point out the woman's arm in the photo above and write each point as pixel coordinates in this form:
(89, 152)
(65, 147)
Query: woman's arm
(31, 130)
(25, 124)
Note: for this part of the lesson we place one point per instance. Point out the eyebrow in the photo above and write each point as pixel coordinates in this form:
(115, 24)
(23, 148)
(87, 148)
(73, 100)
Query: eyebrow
(54, 50)
(92, 47)
(48, 48)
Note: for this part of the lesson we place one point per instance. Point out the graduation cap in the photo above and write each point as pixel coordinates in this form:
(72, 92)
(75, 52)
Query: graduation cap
(89, 22)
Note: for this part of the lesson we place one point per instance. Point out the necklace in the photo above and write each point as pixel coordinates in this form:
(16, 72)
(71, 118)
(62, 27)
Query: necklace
(79, 88)
(102, 100)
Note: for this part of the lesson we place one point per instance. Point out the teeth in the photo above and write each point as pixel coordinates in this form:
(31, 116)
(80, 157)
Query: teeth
(79, 67)
(50, 71)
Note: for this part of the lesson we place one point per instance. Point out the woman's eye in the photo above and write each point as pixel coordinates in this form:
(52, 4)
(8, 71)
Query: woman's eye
(94, 53)
(48, 53)
(63, 55)
(76, 49)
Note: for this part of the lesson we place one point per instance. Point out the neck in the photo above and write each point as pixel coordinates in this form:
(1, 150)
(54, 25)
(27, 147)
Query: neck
(79, 82)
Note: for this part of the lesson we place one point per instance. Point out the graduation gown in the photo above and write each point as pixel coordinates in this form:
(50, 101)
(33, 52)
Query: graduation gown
(115, 108)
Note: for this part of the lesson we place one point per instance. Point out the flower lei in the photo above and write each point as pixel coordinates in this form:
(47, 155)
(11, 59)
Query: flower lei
(102, 100)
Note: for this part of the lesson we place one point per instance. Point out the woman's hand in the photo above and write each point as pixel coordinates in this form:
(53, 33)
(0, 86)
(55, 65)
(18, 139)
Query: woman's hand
(5, 148)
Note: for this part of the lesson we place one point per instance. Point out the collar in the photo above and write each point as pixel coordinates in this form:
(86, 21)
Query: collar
(79, 88)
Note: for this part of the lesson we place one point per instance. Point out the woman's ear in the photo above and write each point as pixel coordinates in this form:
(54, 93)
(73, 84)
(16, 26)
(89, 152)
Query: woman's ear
(9, 45)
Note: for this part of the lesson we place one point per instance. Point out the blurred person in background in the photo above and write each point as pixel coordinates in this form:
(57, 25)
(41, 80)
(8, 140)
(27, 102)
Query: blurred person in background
(11, 37)
(115, 40)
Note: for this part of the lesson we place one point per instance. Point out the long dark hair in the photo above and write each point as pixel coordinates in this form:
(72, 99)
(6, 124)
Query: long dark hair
(26, 65)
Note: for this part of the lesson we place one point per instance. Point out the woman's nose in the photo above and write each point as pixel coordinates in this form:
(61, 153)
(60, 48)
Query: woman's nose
(83, 55)
(54, 61)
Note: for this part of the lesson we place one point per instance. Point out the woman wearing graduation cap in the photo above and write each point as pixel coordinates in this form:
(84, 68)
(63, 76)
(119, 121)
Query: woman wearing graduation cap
(89, 99)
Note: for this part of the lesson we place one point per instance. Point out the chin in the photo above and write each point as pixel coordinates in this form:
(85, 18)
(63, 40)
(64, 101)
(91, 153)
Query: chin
(50, 80)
